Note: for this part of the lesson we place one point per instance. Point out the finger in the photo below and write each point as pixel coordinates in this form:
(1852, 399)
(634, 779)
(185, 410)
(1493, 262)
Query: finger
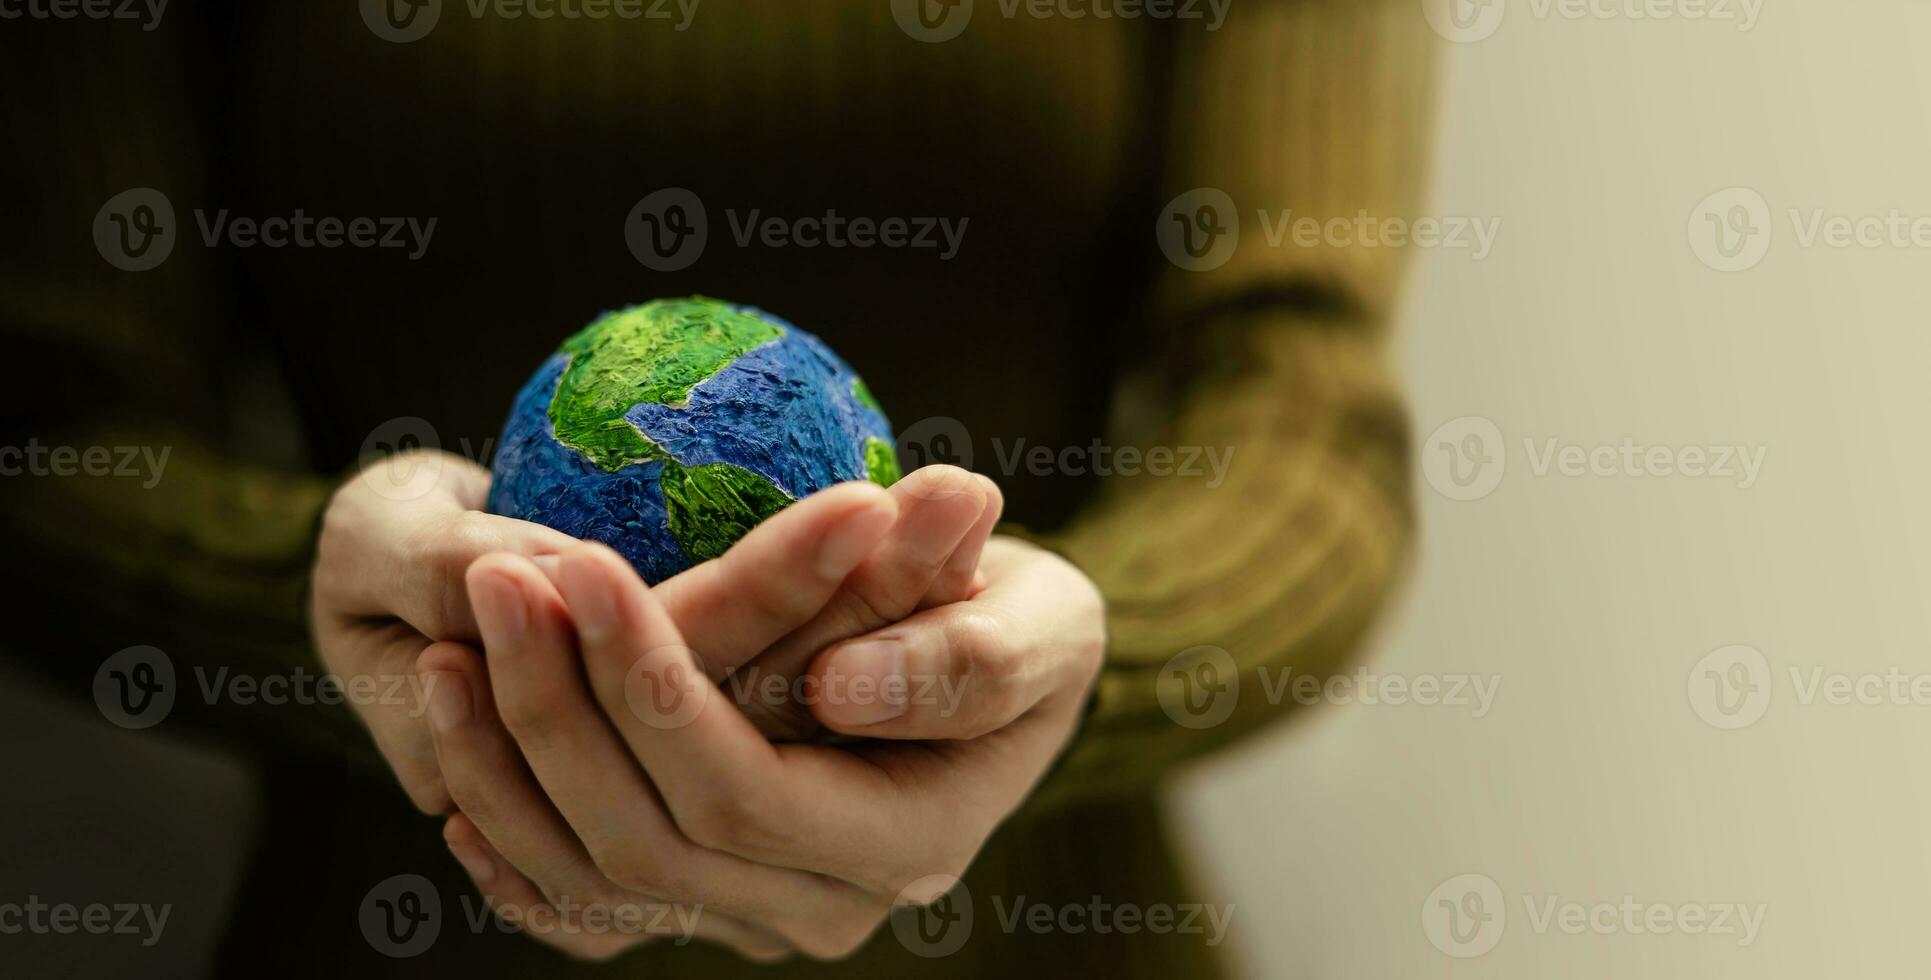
(938, 508)
(726, 787)
(406, 560)
(595, 783)
(382, 652)
(956, 672)
(778, 576)
(489, 783)
(956, 580)
(597, 934)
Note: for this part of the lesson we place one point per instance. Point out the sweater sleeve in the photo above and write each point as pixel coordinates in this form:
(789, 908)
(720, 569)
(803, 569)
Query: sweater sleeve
(1276, 360)
(151, 494)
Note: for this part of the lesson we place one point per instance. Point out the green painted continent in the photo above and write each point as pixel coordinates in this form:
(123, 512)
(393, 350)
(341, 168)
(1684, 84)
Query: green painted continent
(881, 461)
(711, 506)
(656, 352)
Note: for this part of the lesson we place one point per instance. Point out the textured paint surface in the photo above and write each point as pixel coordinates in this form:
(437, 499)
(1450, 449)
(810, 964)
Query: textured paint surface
(651, 353)
(881, 461)
(669, 430)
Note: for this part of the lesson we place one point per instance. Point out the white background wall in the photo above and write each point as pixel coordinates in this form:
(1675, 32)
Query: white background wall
(1593, 598)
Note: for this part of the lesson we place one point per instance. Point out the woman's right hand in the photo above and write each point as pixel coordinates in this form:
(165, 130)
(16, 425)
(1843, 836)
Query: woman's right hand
(398, 538)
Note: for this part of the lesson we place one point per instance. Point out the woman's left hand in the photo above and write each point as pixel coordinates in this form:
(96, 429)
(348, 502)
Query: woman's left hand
(628, 777)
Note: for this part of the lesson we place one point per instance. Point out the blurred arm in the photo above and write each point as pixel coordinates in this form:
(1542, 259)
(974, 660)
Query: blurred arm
(1279, 356)
(178, 545)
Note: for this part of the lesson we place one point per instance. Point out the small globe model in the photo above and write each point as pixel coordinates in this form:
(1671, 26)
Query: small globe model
(669, 430)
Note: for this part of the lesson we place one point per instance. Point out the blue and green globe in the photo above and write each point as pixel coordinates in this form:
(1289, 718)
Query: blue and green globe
(669, 430)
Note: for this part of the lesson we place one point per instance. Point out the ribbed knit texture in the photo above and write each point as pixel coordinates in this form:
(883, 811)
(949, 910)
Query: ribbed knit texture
(1061, 139)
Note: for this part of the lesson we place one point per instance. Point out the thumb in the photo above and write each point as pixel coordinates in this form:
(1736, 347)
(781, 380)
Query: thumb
(954, 672)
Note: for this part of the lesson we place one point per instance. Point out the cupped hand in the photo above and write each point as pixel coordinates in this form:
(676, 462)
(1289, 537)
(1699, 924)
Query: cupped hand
(597, 765)
(397, 538)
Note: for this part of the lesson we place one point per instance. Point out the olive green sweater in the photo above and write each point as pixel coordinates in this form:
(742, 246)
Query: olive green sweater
(1056, 142)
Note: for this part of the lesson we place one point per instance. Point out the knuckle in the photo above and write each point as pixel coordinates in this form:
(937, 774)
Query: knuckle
(530, 717)
(447, 548)
(987, 654)
(734, 821)
(629, 868)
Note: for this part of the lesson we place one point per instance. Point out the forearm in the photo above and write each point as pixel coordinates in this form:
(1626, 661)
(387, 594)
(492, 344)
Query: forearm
(1284, 563)
(1275, 359)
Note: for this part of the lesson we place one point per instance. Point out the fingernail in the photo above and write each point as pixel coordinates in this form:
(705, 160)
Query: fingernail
(481, 869)
(850, 540)
(448, 701)
(875, 684)
(592, 602)
(503, 611)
